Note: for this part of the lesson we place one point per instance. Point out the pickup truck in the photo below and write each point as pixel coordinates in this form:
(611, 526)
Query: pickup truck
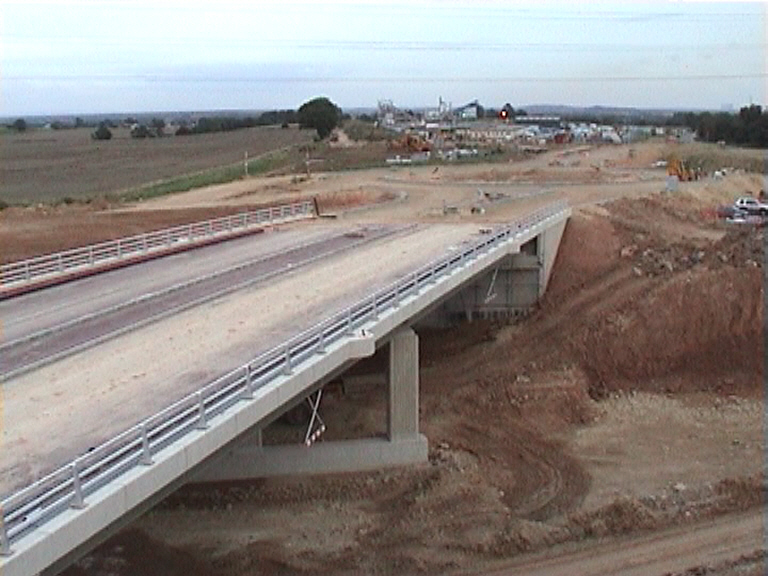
(751, 206)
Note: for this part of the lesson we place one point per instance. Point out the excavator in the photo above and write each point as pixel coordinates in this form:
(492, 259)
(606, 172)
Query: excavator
(410, 143)
(677, 167)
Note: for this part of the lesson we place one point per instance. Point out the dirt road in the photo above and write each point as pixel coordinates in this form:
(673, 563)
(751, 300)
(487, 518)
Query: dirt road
(703, 545)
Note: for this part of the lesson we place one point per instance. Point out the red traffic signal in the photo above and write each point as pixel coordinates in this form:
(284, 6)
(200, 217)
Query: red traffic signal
(504, 114)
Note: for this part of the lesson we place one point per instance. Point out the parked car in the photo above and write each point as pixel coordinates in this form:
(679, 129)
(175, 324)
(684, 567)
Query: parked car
(751, 206)
(731, 211)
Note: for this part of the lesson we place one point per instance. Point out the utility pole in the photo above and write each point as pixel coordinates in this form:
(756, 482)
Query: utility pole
(245, 163)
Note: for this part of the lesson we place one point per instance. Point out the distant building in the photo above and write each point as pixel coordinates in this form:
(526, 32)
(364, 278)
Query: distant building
(469, 111)
(548, 121)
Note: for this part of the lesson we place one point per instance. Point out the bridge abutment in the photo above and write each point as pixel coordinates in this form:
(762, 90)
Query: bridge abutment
(508, 289)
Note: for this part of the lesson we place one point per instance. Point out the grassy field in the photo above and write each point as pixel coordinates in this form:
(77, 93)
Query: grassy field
(711, 157)
(45, 166)
(67, 166)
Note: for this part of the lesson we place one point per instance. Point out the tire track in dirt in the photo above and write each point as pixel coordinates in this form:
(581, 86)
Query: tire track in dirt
(659, 553)
(537, 478)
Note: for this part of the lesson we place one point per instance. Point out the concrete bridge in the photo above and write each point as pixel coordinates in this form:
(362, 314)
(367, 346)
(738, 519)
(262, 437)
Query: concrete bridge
(215, 432)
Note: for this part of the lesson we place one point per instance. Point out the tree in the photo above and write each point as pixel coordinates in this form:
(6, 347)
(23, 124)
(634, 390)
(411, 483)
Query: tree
(141, 131)
(102, 132)
(158, 125)
(20, 125)
(320, 114)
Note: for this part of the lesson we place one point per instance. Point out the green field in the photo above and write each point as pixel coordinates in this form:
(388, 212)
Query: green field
(48, 166)
(711, 157)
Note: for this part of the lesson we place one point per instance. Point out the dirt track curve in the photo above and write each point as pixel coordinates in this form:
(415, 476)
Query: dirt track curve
(700, 547)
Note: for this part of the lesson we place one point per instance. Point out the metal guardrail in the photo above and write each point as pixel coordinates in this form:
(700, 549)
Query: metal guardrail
(69, 486)
(126, 248)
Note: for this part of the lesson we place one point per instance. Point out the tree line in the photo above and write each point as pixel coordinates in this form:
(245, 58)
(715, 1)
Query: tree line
(747, 128)
(206, 125)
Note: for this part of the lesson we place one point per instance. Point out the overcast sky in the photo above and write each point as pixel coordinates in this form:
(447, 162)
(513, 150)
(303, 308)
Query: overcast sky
(99, 56)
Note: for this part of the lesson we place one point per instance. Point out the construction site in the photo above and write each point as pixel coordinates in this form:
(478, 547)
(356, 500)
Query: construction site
(621, 417)
(447, 133)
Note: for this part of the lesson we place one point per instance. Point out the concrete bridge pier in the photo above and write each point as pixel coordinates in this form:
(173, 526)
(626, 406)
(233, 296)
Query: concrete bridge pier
(248, 458)
(403, 383)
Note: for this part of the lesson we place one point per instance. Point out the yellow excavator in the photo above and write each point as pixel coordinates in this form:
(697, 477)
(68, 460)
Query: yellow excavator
(410, 143)
(677, 167)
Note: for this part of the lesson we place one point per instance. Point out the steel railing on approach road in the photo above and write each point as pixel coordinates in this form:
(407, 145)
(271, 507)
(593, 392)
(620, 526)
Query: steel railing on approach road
(125, 249)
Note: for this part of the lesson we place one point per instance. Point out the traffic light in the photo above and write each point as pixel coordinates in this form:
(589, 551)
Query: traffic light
(504, 114)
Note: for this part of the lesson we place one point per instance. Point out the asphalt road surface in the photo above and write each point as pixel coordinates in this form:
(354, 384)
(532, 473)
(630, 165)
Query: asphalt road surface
(45, 325)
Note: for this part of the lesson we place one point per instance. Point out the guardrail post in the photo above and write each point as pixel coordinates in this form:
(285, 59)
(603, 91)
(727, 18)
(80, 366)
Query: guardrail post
(288, 370)
(375, 308)
(144, 242)
(78, 503)
(415, 282)
(396, 301)
(321, 342)
(5, 544)
(349, 322)
(146, 452)
(248, 392)
(119, 249)
(90, 255)
(61, 263)
(168, 238)
(202, 420)
(26, 271)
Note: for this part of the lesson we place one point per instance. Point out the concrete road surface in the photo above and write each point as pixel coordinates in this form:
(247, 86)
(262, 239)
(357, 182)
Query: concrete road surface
(49, 324)
(60, 410)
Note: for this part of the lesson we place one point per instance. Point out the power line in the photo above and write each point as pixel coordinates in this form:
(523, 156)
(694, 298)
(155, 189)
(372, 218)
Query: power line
(160, 78)
(553, 13)
(389, 45)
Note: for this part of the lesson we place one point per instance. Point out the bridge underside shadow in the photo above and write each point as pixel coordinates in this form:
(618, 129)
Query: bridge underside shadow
(509, 288)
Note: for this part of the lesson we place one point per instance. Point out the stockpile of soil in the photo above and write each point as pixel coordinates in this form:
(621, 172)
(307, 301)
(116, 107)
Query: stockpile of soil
(651, 308)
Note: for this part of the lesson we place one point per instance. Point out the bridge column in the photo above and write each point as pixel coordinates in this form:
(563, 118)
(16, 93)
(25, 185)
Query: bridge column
(403, 405)
(248, 458)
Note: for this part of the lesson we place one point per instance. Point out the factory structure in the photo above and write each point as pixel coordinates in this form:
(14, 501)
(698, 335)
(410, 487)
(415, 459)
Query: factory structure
(452, 133)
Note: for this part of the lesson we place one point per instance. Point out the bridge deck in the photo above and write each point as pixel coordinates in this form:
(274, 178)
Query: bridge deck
(119, 381)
